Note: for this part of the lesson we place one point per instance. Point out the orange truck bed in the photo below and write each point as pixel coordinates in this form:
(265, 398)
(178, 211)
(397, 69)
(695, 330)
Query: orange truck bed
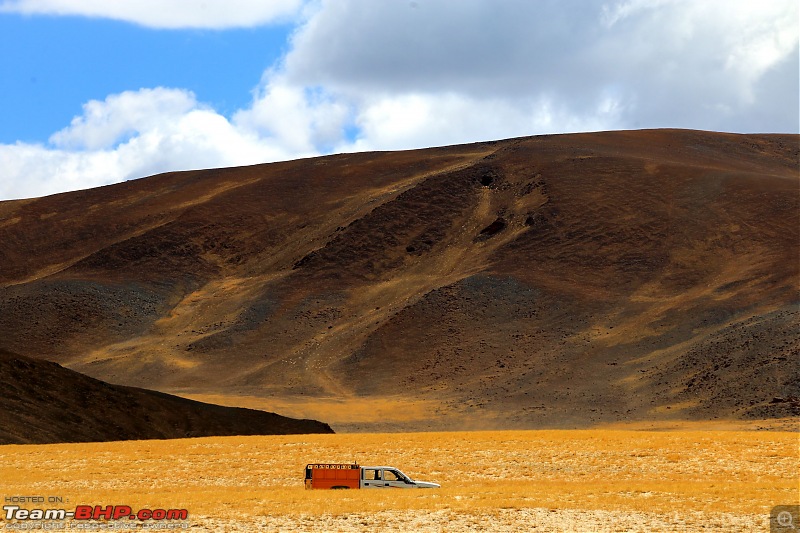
(333, 476)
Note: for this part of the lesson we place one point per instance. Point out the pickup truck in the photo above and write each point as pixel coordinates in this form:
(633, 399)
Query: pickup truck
(353, 476)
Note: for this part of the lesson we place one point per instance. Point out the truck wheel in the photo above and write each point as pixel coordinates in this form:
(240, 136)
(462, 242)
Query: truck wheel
(339, 487)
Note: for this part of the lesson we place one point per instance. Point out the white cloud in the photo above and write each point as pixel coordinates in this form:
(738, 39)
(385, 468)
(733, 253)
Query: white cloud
(662, 62)
(35, 170)
(306, 120)
(135, 134)
(165, 14)
(104, 123)
(411, 120)
(399, 75)
(692, 59)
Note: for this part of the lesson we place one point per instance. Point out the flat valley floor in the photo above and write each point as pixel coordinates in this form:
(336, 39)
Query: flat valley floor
(549, 480)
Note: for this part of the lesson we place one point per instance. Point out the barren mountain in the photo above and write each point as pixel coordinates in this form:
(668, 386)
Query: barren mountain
(42, 402)
(551, 281)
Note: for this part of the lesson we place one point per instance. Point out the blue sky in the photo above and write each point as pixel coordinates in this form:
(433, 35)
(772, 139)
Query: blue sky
(52, 65)
(93, 93)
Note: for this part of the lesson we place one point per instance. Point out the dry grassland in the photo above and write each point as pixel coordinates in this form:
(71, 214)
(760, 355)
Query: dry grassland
(594, 480)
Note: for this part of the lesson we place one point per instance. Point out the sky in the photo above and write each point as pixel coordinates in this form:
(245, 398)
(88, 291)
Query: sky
(94, 92)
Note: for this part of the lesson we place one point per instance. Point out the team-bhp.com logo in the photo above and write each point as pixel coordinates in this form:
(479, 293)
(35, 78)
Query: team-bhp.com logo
(161, 517)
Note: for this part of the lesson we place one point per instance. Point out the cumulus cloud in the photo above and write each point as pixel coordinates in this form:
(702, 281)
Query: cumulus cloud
(307, 120)
(414, 120)
(555, 64)
(103, 123)
(135, 134)
(164, 14)
(364, 75)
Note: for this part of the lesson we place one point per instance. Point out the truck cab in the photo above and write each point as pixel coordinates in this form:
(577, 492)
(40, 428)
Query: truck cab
(381, 477)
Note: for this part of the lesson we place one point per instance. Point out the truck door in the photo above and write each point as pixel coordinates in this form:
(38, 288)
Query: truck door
(372, 478)
(396, 479)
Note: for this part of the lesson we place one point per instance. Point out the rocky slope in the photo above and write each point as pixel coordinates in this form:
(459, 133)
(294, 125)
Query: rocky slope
(42, 402)
(551, 281)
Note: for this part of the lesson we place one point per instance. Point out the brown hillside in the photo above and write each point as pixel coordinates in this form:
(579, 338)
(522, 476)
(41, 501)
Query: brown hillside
(42, 402)
(558, 281)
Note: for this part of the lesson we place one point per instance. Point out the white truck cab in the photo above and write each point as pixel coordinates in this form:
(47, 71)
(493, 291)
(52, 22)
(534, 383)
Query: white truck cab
(381, 477)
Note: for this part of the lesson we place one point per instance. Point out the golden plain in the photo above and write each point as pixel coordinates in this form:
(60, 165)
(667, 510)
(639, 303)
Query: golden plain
(550, 480)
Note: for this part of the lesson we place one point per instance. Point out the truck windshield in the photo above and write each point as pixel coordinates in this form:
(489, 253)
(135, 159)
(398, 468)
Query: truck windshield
(397, 475)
